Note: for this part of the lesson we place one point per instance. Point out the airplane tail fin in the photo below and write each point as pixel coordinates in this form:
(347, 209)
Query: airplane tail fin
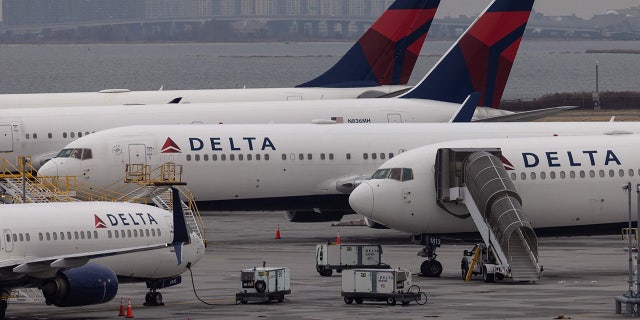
(481, 59)
(180, 230)
(387, 52)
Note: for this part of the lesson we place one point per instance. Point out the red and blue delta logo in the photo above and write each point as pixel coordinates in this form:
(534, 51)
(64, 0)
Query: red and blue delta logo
(98, 222)
(170, 146)
(507, 164)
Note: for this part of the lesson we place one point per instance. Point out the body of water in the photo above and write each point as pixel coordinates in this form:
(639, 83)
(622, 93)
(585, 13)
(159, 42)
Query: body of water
(541, 67)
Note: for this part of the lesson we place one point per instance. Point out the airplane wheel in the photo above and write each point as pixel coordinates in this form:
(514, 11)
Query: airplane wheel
(153, 299)
(431, 268)
(157, 299)
(148, 298)
(425, 268)
(436, 268)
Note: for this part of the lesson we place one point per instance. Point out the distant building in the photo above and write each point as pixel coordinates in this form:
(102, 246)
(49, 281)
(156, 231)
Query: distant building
(35, 12)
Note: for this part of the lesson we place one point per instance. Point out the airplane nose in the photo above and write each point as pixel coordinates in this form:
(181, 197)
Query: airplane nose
(361, 200)
(49, 169)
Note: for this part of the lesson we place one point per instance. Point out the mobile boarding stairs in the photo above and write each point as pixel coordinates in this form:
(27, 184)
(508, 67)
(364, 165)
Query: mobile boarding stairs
(478, 179)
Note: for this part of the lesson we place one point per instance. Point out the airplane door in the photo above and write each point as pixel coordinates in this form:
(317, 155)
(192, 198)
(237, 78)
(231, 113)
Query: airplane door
(6, 238)
(137, 154)
(394, 118)
(6, 138)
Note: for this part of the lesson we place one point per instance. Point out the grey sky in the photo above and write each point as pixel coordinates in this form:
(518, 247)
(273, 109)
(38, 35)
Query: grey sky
(582, 8)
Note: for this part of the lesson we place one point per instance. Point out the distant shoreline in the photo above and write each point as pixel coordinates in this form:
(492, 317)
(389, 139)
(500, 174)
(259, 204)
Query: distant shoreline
(623, 51)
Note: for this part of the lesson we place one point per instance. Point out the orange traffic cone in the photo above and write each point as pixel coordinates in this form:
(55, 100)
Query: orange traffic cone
(129, 311)
(122, 314)
(338, 238)
(278, 232)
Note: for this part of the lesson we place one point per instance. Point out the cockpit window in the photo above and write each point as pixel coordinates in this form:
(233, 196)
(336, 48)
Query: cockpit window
(86, 154)
(394, 174)
(407, 174)
(399, 174)
(78, 153)
(380, 174)
(64, 153)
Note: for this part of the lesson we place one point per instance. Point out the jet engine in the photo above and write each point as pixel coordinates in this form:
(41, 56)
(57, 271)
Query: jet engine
(86, 285)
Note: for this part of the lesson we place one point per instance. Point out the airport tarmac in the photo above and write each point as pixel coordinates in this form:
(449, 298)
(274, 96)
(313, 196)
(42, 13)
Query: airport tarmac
(582, 276)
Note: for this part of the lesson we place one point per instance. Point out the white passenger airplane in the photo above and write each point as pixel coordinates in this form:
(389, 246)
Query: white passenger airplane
(295, 167)
(567, 185)
(379, 63)
(42, 132)
(78, 252)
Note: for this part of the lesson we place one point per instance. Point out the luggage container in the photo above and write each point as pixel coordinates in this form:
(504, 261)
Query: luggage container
(264, 284)
(390, 285)
(339, 257)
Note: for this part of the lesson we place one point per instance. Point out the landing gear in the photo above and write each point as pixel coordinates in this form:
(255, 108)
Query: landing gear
(153, 299)
(430, 267)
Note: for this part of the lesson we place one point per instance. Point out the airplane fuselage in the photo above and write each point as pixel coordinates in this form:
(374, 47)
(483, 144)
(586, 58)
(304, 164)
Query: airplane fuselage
(279, 167)
(127, 97)
(564, 182)
(42, 132)
(64, 229)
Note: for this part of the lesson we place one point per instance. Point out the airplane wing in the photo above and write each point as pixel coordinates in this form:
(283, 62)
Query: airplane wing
(42, 264)
(527, 115)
